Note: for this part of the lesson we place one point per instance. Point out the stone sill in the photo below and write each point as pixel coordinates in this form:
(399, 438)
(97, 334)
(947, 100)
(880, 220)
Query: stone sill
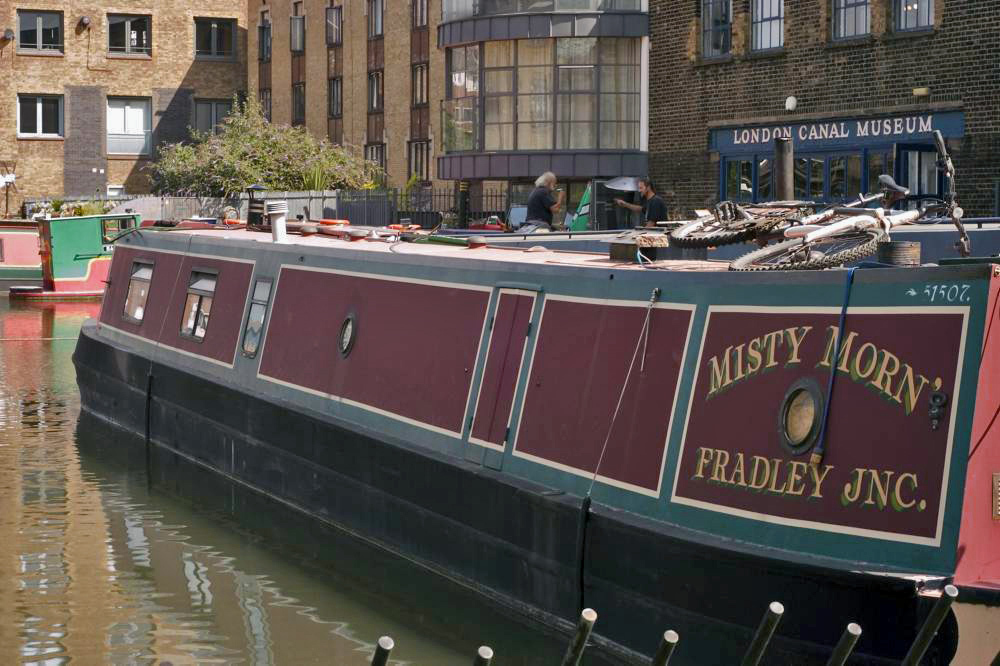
(897, 35)
(131, 158)
(848, 42)
(42, 54)
(765, 54)
(128, 56)
(35, 137)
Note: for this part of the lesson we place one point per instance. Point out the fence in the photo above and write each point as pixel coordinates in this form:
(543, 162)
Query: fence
(425, 206)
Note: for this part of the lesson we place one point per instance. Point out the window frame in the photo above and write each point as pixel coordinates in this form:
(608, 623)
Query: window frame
(136, 266)
(378, 149)
(707, 32)
(376, 91)
(419, 83)
(758, 22)
(40, 134)
(335, 97)
(264, 34)
(335, 28)
(216, 121)
(39, 47)
(144, 52)
(266, 303)
(843, 6)
(265, 107)
(423, 170)
(419, 14)
(292, 32)
(120, 224)
(202, 294)
(375, 11)
(214, 27)
(898, 17)
(299, 120)
(147, 129)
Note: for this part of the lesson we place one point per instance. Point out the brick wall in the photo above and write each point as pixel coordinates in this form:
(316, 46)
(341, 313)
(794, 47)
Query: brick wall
(85, 74)
(959, 60)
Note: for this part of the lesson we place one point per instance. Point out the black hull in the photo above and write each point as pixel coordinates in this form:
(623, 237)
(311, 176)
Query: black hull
(518, 543)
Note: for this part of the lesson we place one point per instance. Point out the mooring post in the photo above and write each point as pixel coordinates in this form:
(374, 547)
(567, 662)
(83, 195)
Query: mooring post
(764, 632)
(382, 650)
(575, 651)
(484, 656)
(846, 645)
(666, 649)
(784, 170)
(930, 626)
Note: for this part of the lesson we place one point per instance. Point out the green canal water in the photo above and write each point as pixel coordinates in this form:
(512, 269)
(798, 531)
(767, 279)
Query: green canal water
(102, 560)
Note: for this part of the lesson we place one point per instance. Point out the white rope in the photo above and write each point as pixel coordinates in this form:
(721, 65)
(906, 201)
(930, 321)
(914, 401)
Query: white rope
(641, 342)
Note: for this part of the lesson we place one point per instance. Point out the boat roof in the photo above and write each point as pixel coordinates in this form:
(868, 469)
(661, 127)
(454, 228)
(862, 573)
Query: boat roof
(534, 255)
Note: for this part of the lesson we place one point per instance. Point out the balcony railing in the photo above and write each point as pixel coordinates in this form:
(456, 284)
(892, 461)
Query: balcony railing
(460, 124)
(454, 10)
(129, 144)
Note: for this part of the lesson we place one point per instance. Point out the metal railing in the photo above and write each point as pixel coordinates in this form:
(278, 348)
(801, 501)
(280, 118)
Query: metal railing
(454, 10)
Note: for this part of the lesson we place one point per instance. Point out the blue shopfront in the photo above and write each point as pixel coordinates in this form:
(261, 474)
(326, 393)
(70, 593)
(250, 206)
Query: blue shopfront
(835, 159)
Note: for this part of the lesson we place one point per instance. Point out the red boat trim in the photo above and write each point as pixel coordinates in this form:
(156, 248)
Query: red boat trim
(830, 527)
(589, 473)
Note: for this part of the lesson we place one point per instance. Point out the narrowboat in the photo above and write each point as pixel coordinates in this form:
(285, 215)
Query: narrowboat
(74, 254)
(19, 260)
(667, 442)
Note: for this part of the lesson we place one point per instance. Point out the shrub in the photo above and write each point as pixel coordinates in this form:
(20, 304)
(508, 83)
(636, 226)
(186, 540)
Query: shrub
(248, 149)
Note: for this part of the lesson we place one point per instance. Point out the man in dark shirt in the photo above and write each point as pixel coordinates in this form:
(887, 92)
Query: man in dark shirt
(652, 207)
(541, 203)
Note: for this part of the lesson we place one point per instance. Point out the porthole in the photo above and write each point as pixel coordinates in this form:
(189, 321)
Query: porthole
(800, 416)
(348, 331)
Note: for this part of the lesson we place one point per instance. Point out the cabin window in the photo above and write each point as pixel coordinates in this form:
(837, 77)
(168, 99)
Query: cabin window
(138, 291)
(111, 228)
(198, 306)
(1, 250)
(255, 321)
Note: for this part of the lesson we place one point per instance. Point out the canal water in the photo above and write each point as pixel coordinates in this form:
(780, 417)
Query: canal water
(104, 559)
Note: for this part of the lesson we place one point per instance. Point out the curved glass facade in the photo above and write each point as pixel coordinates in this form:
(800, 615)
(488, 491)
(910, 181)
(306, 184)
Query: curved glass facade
(454, 10)
(570, 93)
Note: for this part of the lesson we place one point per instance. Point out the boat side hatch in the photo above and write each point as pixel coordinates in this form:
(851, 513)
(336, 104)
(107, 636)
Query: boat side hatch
(500, 373)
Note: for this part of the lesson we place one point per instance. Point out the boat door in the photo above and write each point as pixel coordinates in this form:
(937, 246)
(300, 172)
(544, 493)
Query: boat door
(509, 329)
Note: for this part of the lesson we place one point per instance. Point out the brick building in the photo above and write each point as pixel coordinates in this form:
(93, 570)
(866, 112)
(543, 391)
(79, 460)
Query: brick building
(857, 84)
(89, 89)
(357, 72)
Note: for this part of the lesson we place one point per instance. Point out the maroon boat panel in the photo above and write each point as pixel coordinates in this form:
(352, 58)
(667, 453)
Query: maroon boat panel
(572, 393)
(414, 347)
(503, 363)
(885, 461)
(161, 321)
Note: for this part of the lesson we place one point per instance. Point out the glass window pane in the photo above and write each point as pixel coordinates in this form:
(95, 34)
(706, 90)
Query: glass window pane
(838, 178)
(534, 136)
(764, 180)
(816, 179)
(135, 300)
(139, 35)
(50, 30)
(203, 282)
(619, 79)
(620, 107)
(255, 325)
(619, 51)
(499, 109)
(116, 33)
(534, 107)
(499, 54)
(534, 79)
(203, 37)
(499, 137)
(619, 135)
(576, 51)
(499, 81)
(190, 313)
(224, 38)
(577, 107)
(28, 113)
(262, 290)
(578, 78)
(50, 115)
(576, 136)
(801, 178)
(534, 52)
(28, 29)
(203, 116)
(853, 176)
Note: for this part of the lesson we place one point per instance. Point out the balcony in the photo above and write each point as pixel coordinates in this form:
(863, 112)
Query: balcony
(456, 10)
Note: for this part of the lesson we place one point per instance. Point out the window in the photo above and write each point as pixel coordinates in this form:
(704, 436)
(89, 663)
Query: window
(534, 107)
(576, 101)
(264, 41)
(40, 31)
(914, 14)
(138, 291)
(198, 306)
(809, 178)
(129, 126)
(130, 35)
(375, 152)
(851, 18)
(419, 13)
(716, 27)
(334, 26)
(374, 8)
(298, 103)
(768, 24)
(498, 91)
(1, 250)
(620, 87)
(111, 227)
(420, 154)
(209, 114)
(39, 115)
(265, 102)
(375, 91)
(214, 38)
(297, 34)
(878, 164)
(336, 105)
(419, 85)
(739, 181)
(845, 177)
(255, 320)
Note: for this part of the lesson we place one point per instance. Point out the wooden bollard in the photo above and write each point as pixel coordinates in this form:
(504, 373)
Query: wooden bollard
(930, 626)
(846, 645)
(764, 632)
(484, 656)
(382, 650)
(575, 651)
(667, 645)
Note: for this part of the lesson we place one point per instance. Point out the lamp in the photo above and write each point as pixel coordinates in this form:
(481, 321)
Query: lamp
(8, 35)
(791, 103)
(84, 22)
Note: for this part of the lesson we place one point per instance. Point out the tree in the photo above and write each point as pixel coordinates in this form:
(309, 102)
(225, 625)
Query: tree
(248, 149)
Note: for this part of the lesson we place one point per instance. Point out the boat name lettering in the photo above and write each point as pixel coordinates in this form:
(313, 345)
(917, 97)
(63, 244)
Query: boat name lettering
(836, 130)
(877, 368)
(865, 488)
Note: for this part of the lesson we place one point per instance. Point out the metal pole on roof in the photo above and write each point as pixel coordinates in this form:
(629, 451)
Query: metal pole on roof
(784, 170)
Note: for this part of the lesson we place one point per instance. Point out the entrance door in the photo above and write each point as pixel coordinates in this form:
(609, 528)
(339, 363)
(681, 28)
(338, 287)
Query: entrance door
(494, 403)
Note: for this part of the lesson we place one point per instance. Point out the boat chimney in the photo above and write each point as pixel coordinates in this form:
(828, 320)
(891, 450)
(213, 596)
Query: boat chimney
(476, 242)
(278, 212)
(784, 169)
